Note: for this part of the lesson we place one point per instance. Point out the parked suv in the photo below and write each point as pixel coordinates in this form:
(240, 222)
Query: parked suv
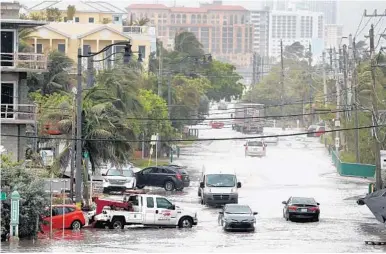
(170, 178)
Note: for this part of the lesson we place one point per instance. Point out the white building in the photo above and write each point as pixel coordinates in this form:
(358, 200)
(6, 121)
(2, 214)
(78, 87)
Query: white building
(260, 21)
(302, 26)
(332, 35)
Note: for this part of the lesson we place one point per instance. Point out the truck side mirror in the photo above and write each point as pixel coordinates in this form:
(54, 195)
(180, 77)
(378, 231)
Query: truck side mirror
(103, 174)
(284, 202)
(255, 213)
(172, 207)
(202, 185)
(221, 212)
(238, 185)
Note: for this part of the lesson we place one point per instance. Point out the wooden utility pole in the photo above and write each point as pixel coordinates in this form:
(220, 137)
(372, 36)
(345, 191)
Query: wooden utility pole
(324, 79)
(310, 83)
(375, 113)
(354, 102)
(282, 77)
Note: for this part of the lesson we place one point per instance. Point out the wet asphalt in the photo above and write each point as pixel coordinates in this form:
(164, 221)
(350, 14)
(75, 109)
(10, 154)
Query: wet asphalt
(292, 168)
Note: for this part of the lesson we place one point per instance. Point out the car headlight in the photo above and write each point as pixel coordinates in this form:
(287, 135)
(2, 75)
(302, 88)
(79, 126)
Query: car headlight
(129, 180)
(233, 190)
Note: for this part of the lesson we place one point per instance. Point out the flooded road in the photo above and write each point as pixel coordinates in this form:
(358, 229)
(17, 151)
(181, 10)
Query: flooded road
(290, 169)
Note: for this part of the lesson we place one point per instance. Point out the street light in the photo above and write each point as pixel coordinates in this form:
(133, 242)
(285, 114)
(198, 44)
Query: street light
(78, 176)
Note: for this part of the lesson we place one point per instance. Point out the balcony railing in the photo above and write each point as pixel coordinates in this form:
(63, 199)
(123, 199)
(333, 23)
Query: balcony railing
(29, 61)
(143, 30)
(18, 113)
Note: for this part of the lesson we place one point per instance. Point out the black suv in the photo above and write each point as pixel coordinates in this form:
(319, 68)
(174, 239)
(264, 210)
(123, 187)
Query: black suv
(168, 177)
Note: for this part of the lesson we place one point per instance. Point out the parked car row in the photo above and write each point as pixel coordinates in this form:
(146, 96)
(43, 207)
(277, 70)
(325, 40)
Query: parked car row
(170, 177)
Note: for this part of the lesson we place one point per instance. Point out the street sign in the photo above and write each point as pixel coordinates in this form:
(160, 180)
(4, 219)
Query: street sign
(154, 139)
(15, 200)
(337, 142)
(85, 155)
(3, 196)
(383, 159)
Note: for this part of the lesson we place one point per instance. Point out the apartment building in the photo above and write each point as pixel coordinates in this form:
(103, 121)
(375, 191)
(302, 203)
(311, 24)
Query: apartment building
(68, 37)
(86, 12)
(260, 21)
(302, 26)
(333, 34)
(17, 112)
(224, 30)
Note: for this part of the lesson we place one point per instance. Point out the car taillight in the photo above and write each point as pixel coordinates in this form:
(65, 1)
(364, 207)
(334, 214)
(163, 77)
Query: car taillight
(293, 208)
(179, 176)
(314, 208)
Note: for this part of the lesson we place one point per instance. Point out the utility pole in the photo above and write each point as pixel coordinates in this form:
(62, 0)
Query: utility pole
(337, 118)
(78, 167)
(160, 47)
(310, 82)
(282, 78)
(169, 96)
(73, 136)
(378, 176)
(354, 103)
(345, 76)
(324, 79)
(254, 69)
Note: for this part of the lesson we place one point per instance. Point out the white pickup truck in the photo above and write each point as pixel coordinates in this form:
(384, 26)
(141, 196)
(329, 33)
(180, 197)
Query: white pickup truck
(149, 210)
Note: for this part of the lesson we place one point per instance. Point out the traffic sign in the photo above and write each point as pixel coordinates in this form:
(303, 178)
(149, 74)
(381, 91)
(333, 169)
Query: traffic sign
(383, 159)
(3, 196)
(85, 155)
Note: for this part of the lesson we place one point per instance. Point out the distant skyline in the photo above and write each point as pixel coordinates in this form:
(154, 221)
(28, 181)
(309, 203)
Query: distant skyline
(349, 15)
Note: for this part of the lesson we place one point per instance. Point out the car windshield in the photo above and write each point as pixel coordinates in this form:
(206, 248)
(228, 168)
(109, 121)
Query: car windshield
(114, 172)
(304, 201)
(238, 209)
(255, 143)
(220, 180)
(128, 172)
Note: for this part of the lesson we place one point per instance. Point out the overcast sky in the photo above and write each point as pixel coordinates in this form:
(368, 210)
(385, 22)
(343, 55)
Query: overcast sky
(350, 11)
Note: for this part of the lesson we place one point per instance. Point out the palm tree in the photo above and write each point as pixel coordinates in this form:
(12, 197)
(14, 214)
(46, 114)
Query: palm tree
(56, 79)
(24, 36)
(142, 22)
(187, 43)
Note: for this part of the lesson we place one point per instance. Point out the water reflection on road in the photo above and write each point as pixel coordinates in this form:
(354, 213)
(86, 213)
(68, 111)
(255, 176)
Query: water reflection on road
(285, 171)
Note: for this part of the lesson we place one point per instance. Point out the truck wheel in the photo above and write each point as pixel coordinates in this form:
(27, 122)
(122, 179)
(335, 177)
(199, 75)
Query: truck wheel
(117, 223)
(140, 186)
(199, 193)
(185, 222)
(169, 186)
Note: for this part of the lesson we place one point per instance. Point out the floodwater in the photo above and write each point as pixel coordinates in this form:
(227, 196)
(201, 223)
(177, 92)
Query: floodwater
(292, 168)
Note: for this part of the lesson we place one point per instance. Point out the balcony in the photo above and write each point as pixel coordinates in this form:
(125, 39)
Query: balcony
(18, 113)
(23, 62)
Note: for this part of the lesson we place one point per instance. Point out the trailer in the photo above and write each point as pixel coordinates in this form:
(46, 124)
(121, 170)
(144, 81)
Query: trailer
(248, 118)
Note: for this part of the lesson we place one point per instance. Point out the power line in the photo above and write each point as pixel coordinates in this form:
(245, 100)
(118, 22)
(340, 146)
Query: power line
(201, 139)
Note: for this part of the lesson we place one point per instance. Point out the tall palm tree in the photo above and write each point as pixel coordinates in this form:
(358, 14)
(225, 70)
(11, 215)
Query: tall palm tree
(142, 22)
(24, 36)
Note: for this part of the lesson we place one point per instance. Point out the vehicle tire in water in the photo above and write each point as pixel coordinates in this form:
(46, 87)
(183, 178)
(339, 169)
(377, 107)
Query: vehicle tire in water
(316, 219)
(140, 186)
(99, 224)
(185, 222)
(116, 223)
(76, 224)
(169, 186)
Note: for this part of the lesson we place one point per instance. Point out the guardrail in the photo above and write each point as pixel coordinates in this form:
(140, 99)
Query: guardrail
(18, 112)
(23, 60)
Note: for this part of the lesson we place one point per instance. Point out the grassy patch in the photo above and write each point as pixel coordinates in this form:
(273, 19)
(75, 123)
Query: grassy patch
(347, 157)
(143, 163)
(188, 141)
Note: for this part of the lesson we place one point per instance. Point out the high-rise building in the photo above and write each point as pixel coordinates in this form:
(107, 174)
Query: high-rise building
(224, 30)
(333, 34)
(300, 26)
(260, 21)
(328, 7)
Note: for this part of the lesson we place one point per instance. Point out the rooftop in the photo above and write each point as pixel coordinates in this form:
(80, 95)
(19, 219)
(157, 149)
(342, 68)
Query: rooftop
(22, 22)
(81, 6)
(205, 8)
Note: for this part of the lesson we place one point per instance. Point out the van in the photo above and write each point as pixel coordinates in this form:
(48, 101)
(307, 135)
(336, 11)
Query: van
(218, 187)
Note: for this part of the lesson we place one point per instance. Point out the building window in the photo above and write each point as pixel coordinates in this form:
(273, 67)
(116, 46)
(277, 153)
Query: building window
(39, 48)
(91, 20)
(62, 48)
(7, 99)
(116, 19)
(205, 19)
(86, 49)
(142, 50)
(193, 21)
(242, 19)
(7, 46)
(198, 19)
(76, 19)
(183, 18)
(172, 19)
(178, 19)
